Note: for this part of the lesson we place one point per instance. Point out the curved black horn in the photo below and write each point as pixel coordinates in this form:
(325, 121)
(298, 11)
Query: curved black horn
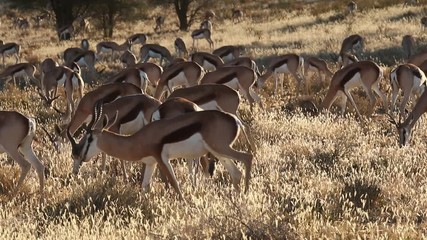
(96, 115)
(72, 141)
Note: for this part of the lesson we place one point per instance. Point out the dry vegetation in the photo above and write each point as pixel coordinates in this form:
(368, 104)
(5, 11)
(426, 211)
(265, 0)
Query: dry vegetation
(313, 177)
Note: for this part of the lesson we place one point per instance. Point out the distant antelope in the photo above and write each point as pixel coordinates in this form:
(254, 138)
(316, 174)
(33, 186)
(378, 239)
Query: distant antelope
(66, 32)
(104, 47)
(26, 70)
(318, 65)
(206, 24)
(21, 23)
(352, 7)
(84, 24)
(364, 73)
(352, 43)
(155, 51)
(209, 15)
(128, 59)
(8, 49)
(138, 38)
(288, 63)
(408, 42)
(208, 61)
(411, 80)
(180, 48)
(202, 34)
(16, 136)
(236, 15)
(160, 20)
(228, 52)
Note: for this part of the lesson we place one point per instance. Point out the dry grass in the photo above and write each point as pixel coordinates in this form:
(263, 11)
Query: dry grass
(313, 177)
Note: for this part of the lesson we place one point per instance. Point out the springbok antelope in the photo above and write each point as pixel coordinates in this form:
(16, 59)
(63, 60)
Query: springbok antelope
(288, 63)
(128, 59)
(404, 128)
(84, 24)
(211, 97)
(180, 48)
(153, 71)
(202, 34)
(130, 75)
(69, 79)
(345, 59)
(236, 15)
(208, 61)
(239, 78)
(16, 135)
(138, 38)
(104, 47)
(71, 53)
(228, 52)
(352, 7)
(408, 43)
(105, 93)
(47, 65)
(423, 23)
(21, 23)
(410, 79)
(8, 49)
(364, 73)
(155, 51)
(352, 43)
(25, 70)
(86, 60)
(188, 136)
(209, 15)
(318, 65)
(160, 20)
(131, 113)
(66, 32)
(179, 74)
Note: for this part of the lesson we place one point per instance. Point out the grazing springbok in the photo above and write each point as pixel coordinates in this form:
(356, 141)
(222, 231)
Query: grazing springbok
(104, 47)
(180, 48)
(189, 136)
(8, 49)
(345, 59)
(202, 34)
(411, 80)
(138, 38)
(155, 51)
(16, 135)
(128, 59)
(180, 74)
(352, 7)
(130, 75)
(318, 65)
(236, 15)
(286, 64)
(66, 32)
(160, 20)
(239, 78)
(25, 70)
(208, 61)
(353, 43)
(364, 73)
(408, 43)
(71, 53)
(229, 52)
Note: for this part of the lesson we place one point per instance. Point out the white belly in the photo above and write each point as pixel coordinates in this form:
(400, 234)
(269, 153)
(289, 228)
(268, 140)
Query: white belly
(133, 126)
(81, 62)
(106, 50)
(190, 148)
(208, 66)
(21, 73)
(355, 81)
(154, 54)
(233, 83)
(228, 58)
(200, 36)
(9, 52)
(178, 80)
(155, 116)
(282, 69)
(211, 105)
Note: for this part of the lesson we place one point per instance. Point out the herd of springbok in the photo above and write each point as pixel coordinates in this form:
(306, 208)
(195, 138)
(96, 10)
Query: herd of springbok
(193, 109)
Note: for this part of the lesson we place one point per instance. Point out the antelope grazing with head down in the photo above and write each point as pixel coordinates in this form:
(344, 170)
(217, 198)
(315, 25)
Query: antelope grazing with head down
(105, 47)
(155, 51)
(411, 80)
(352, 44)
(180, 48)
(128, 59)
(318, 65)
(289, 63)
(345, 59)
(187, 136)
(16, 136)
(228, 52)
(364, 73)
(180, 74)
(208, 61)
(25, 70)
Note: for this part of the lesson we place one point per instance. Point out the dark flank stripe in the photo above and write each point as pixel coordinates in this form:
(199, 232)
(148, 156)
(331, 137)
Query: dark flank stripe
(197, 32)
(175, 73)
(132, 114)
(204, 99)
(18, 69)
(182, 133)
(155, 51)
(225, 53)
(9, 47)
(416, 73)
(279, 64)
(226, 78)
(110, 97)
(350, 74)
(211, 61)
(60, 76)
